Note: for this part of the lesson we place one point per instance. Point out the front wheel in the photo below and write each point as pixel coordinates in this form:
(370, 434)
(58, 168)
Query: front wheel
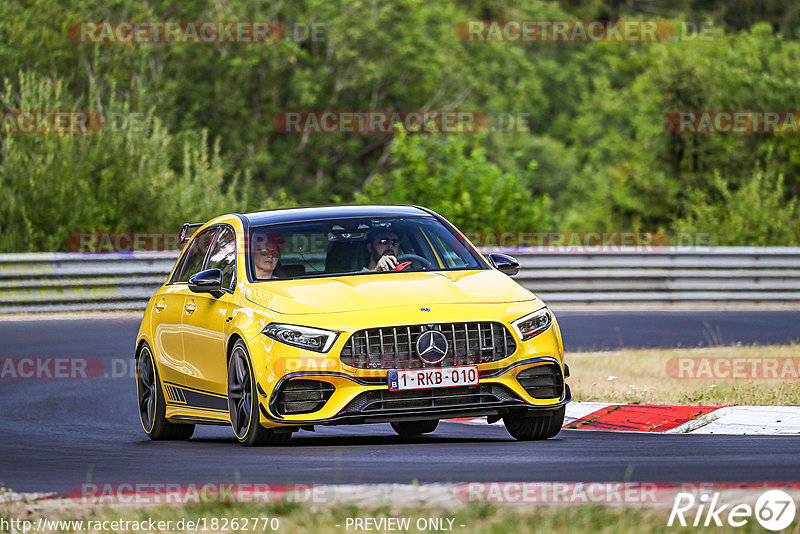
(152, 408)
(243, 402)
(524, 427)
(412, 429)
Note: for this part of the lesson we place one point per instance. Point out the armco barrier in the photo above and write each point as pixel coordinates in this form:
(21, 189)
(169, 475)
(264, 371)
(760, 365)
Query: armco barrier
(751, 275)
(81, 282)
(757, 275)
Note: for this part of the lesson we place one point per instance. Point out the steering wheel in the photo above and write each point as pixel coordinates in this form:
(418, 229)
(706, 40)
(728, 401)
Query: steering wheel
(404, 261)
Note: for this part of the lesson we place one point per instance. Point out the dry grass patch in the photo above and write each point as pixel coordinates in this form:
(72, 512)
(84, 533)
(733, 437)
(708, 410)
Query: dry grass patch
(659, 376)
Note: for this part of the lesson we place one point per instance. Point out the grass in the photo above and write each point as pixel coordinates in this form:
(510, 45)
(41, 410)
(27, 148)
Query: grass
(642, 377)
(484, 519)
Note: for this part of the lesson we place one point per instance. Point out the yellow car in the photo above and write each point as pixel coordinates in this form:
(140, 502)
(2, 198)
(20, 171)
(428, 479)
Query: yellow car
(277, 321)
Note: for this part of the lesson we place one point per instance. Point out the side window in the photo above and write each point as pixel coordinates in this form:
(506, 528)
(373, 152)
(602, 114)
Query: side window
(196, 253)
(223, 257)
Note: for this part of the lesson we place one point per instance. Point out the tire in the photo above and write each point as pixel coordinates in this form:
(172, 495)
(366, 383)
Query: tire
(526, 428)
(412, 429)
(151, 405)
(243, 402)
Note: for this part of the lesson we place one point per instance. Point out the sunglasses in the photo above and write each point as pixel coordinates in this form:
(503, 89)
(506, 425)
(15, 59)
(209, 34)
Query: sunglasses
(269, 253)
(386, 241)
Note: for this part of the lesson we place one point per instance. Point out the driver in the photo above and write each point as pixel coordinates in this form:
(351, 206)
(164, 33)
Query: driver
(383, 248)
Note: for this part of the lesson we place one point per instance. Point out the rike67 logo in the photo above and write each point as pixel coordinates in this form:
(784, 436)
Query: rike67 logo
(774, 510)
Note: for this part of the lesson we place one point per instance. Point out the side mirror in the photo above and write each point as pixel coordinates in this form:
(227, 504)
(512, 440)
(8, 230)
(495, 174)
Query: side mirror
(504, 264)
(208, 281)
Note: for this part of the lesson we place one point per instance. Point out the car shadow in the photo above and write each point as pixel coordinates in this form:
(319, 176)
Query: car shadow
(356, 440)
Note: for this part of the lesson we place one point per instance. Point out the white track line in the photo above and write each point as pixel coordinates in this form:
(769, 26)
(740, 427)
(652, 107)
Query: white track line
(733, 420)
(745, 420)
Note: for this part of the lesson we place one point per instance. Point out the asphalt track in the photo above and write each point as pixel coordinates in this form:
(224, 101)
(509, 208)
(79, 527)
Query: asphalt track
(57, 433)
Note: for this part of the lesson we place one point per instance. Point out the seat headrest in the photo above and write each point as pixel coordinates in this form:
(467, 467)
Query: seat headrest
(346, 256)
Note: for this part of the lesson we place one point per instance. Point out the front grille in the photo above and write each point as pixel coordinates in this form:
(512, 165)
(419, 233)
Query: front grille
(384, 400)
(395, 347)
(542, 381)
(303, 396)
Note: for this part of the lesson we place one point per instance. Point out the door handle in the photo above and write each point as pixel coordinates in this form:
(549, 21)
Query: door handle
(160, 305)
(190, 308)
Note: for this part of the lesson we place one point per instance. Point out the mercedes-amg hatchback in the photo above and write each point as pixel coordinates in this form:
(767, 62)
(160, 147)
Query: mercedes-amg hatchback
(277, 321)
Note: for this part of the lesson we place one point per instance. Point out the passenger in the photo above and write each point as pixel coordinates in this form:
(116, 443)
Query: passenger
(267, 254)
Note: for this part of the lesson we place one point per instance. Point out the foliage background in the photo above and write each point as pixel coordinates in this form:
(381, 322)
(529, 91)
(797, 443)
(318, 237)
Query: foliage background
(597, 154)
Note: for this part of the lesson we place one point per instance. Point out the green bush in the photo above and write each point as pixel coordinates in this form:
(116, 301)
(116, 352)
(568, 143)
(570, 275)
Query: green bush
(451, 175)
(114, 180)
(755, 213)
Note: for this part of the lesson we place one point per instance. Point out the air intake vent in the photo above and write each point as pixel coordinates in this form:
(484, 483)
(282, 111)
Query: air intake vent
(303, 396)
(542, 381)
(388, 401)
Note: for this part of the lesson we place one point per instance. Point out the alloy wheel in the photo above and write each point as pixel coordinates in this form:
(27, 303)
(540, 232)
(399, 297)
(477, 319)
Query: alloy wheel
(147, 389)
(240, 393)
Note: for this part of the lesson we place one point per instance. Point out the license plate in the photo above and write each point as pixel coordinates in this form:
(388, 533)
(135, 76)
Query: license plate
(444, 377)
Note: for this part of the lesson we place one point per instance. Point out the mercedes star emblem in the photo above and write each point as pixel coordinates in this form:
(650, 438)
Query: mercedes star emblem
(432, 346)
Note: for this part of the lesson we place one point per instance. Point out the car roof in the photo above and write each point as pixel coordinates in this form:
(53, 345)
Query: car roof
(292, 215)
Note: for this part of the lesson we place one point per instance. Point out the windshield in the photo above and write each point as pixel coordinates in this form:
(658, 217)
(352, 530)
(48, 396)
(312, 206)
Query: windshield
(355, 246)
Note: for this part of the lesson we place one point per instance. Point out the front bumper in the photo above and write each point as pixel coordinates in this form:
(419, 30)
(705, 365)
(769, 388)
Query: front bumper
(360, 399)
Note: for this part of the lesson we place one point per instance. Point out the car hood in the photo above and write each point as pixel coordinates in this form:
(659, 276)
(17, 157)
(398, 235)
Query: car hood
(371, 291)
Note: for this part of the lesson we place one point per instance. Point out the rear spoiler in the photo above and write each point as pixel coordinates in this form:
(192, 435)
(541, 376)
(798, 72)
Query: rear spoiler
(187, 230)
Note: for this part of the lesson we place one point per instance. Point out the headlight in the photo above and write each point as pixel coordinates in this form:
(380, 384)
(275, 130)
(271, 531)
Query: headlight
(533, 324)
(303, 337)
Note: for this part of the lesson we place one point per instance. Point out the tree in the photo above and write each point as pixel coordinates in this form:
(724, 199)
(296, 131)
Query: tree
(452, 176)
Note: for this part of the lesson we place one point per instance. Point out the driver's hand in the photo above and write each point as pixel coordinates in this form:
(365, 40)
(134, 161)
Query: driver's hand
(386, 263)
